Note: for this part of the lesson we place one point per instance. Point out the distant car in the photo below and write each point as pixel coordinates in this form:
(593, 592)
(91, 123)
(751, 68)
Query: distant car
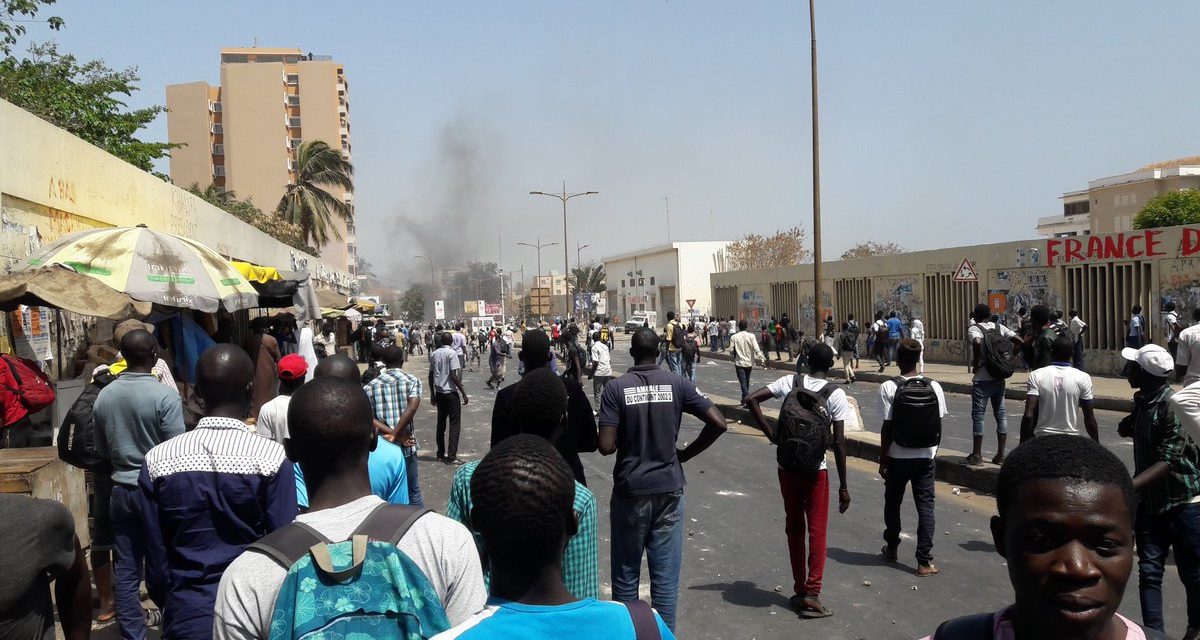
(635, 323)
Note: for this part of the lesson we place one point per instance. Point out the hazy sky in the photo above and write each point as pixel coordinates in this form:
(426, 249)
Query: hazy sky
(943, 122)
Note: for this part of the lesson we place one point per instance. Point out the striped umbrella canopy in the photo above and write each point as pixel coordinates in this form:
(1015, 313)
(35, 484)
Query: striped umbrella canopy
(153, 266)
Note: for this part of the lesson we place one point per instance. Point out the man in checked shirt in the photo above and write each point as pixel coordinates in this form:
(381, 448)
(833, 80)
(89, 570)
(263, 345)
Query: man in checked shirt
(395, 396)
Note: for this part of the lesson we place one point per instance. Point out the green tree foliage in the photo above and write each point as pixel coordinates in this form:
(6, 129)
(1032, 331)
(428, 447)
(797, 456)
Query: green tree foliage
(307, 203)
(479, 281)
(1171, 209)
(412, 303)
(15, 12)
(870, 248)
(86, 99)
(589, 278)
(245, 211)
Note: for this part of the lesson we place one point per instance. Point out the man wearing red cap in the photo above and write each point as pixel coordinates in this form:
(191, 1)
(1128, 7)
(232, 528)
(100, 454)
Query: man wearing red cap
(272, 417)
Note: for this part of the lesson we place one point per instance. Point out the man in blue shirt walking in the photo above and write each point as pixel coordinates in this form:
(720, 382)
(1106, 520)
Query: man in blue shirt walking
(895, 332)
(132, 415)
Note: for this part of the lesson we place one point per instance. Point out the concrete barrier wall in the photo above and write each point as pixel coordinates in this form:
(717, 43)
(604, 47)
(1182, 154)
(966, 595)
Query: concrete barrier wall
(1101, 276)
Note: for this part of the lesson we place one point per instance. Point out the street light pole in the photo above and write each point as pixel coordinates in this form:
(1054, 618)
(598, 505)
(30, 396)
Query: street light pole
(539, 246)
(432, 284)
(579, 248)
(816, 151)
(566, 264)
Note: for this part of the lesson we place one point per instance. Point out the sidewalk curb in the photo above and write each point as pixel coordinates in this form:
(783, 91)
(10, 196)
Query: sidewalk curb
(951, 465)
(1105, 403)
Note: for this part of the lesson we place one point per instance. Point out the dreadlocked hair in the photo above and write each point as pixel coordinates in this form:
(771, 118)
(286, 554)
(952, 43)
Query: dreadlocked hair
(522, 496)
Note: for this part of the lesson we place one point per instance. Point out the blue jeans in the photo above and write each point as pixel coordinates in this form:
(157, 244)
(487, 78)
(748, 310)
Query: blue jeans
(410, 470)
(652, 524)
(743, 376)
(714, 342)
(689, 370)
(981, 392)
(125, 507)
(1157, 534)
(673, 362)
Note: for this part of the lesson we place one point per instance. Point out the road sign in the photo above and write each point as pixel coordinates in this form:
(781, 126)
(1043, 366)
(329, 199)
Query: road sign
(539, 301)
(691, 302)
(966, 272)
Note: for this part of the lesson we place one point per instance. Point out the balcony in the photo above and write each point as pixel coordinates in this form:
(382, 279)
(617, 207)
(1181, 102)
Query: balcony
(292, 79)
(218, 149)
(293, 100)
(219, 170)
(1056, 226)
(293, 122)
(217, 129)
(294, 143)
(214, 107)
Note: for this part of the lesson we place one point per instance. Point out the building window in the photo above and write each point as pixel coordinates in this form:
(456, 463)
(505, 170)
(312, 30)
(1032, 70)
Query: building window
(641, 282)
(622, 284)
(652, 281)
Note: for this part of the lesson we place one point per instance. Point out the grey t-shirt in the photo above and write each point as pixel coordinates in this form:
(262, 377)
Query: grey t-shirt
(441, 363)
(39, 541)
(442, 548)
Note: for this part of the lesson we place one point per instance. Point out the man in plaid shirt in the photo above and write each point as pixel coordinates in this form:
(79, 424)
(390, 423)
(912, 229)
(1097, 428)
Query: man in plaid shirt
(395, 396)
(540, 409)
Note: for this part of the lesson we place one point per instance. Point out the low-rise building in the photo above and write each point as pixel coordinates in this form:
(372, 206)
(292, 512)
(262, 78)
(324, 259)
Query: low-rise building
(1109, 204)
(667, 277)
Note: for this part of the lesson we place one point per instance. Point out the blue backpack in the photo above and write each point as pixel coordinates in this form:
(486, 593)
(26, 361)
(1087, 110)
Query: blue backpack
(363, 588)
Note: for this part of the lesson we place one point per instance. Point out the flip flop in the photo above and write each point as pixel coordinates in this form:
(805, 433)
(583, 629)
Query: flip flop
(813, 614)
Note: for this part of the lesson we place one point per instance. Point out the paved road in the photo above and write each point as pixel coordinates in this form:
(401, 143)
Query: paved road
(736, 577)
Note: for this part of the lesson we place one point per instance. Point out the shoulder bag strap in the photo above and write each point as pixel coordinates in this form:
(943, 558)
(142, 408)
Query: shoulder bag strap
(645, 627)
(976, 627)
(288, 543)
(389, 522)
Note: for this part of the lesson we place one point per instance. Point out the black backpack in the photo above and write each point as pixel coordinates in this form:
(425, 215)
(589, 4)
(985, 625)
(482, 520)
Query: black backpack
(916, 414)
(689, 349)
(999, 353)
(883, 333)
(76, 437)
(804, 428)
(677, 336)
(849, 341)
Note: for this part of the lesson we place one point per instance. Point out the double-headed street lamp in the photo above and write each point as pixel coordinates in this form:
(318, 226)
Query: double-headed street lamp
(539, 246)
(564, 196)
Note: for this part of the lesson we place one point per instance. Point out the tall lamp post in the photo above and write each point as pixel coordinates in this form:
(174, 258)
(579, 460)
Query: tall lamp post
(564, 196)
(539, 246)
(578, 268)
(432, 284)
(816, 151)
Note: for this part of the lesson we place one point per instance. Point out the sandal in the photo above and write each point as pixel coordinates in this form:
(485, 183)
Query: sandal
(999, 459)
(926, 570)
(974, 459)
(806, 612)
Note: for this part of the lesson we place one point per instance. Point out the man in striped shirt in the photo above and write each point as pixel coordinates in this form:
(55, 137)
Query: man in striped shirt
(210, 493)
(395, 396)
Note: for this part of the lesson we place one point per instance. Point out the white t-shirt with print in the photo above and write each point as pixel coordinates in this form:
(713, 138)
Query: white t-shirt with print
(837, 405)
(975, 336)
(602, 358)
(887, 391)
(1058, 388)
(1170, 318)
(1076, 327)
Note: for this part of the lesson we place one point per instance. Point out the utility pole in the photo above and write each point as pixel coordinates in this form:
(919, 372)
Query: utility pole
(539, 246)
(566, 264)
(668, 199)
(816, 151)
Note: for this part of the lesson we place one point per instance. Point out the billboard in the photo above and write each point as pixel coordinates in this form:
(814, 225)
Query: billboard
(470, 308)
(439, 309)
(492, 309)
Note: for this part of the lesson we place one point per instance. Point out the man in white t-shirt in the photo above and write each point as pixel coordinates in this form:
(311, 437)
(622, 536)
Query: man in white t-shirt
(272, 417)
(1171, 327)
(806, 496)
(1056, 395)
(330, 436)
(984, 387)
(1187, 359)
(914, 418)
(601, 371)
(1076, 328)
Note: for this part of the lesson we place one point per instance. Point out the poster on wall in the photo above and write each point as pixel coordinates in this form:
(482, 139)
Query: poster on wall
(439, 309)
(31, 333)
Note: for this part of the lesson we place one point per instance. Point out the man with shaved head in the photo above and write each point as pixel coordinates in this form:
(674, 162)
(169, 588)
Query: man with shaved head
(131, 415)
(212, 492)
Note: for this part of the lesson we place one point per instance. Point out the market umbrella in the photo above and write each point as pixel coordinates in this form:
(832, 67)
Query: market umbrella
(61, 287)
(153, 266)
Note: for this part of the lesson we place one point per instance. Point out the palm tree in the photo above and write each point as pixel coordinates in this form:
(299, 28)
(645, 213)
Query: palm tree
(588, 279)
(306, 203)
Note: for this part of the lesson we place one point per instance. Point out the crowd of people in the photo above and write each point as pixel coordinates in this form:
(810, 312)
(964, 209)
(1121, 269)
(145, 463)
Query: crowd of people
(293, 505)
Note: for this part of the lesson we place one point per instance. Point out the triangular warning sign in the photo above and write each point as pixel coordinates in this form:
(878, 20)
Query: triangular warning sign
(691, 302)
(966, 272)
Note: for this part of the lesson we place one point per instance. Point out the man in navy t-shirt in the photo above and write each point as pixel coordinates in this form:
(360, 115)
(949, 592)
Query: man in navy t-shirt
(639, 421)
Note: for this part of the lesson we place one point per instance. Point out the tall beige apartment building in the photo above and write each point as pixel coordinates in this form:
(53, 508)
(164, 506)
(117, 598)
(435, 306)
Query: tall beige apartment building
(243, 135)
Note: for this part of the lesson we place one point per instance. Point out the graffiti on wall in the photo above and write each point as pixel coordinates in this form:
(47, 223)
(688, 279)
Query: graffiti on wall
(1023, 288)
(752, 306)
(808, 313)
(26, 226)
(900, 294)
(1179, 282)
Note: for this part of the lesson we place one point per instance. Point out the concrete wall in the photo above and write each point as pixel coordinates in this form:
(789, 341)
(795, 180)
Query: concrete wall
(1102, 276)
(52, 183)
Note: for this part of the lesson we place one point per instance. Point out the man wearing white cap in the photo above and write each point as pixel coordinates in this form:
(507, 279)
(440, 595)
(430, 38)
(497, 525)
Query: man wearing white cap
(1167, 479)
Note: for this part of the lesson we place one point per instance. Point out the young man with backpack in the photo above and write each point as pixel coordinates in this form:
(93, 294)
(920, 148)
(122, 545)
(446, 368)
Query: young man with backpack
(881, 332)
(1138, 332)
(1076, 328)
(811, 421)
(994, 359)
(848, 349)
(525, 515)
(407, 553)
(674, 338)
(1041, 332)
(895, 332)
(691, 356)
(640, 413)
(912, 407)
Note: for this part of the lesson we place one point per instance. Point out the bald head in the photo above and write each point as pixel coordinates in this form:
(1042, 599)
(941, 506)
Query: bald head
(224, 376)
(139, 348)
(338, 366)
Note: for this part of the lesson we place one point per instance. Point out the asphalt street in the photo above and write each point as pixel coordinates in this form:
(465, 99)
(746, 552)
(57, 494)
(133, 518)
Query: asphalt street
(736, 577)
